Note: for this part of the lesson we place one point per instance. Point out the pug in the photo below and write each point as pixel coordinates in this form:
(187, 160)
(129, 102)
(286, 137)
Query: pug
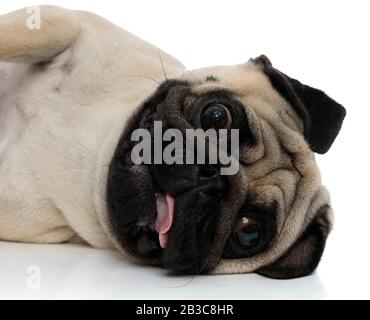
(74, 87)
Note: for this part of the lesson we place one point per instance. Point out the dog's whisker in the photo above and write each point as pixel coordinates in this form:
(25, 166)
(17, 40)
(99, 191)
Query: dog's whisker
(144, 77)
(160, 59)
(182, 285)
(191, 278)
(96, 168)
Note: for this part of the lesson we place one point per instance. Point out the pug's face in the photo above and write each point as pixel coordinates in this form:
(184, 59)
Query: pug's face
(273, 216)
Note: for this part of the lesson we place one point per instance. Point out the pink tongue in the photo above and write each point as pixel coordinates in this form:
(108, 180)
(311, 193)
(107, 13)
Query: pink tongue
(165, 213)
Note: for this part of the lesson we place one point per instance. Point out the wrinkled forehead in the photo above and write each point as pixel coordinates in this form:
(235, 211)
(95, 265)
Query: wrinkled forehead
(244, 78)
(250, 85)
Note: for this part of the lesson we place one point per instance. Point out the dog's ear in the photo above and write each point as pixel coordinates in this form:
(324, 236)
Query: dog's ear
(304, 255)
(322, 116)
(37, 34)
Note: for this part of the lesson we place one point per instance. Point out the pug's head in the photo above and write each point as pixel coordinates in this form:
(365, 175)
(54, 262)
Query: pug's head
(272, 217)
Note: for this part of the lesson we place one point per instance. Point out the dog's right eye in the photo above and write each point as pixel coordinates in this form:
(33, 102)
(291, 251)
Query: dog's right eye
(247, 231)
(216, 116)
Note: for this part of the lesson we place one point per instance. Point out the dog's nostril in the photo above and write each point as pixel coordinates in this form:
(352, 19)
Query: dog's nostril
(208, 171)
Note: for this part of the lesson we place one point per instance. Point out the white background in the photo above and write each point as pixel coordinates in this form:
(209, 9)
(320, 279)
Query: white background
(324, 44)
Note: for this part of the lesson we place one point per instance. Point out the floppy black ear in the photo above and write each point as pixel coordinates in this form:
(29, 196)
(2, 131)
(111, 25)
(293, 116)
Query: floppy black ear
(322, 116)
(305, 254)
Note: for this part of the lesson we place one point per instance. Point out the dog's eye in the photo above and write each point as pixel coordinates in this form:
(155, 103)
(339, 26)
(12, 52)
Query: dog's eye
(247, 231)
(216, 116)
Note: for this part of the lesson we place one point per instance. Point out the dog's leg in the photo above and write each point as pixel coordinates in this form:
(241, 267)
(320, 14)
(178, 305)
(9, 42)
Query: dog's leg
(37, 35)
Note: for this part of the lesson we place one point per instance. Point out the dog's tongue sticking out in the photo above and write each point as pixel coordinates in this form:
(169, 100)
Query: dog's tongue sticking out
(165, 213)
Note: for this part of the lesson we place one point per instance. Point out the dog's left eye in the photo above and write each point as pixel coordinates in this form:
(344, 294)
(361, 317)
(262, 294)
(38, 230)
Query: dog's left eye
(216, 116)
(247, 231)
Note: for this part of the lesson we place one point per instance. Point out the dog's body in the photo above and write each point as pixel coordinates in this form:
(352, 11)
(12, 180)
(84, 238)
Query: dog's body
(54, 118)
(69, 91)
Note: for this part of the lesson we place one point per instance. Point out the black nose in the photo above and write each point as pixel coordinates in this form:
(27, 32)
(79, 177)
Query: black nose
(177, 178)
(208, 171)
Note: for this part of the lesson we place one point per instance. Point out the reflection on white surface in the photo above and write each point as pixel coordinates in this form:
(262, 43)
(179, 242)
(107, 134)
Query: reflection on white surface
(74, 272)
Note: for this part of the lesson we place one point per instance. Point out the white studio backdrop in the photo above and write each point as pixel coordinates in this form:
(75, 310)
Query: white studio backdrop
(324, 44)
